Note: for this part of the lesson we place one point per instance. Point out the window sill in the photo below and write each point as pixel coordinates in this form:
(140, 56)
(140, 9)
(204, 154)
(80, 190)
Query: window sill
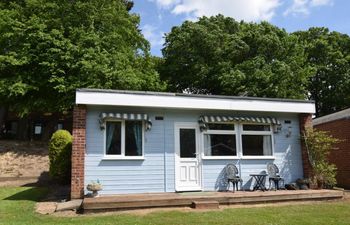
(123, 158)
(258, 157)
(219, 157)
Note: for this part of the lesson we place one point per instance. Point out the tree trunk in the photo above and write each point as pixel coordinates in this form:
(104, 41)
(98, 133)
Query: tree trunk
(23, 129)
(3, 115)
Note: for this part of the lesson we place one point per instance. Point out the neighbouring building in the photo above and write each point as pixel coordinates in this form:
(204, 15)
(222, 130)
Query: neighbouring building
(33, 127)
(338, 125)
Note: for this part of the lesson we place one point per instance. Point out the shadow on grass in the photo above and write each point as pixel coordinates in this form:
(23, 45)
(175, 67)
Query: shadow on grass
(43, 180)
(31, 194)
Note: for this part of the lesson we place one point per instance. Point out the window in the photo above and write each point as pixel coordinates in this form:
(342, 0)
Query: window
(228, 140)
(220, 140)
(37, 129)
(220, 145)
(10, 129)
(187, 143)
(221, 126)
(133, 138)
(124, 138)
(256, 140)
(59, 126)
(256, 127)
(114, 138)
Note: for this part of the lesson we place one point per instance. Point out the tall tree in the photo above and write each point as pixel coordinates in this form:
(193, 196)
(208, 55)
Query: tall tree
(49, 48)
(329, 54)
(218, 55)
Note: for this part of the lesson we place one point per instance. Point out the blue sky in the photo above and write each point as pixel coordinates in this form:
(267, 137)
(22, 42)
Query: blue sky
(159, 16)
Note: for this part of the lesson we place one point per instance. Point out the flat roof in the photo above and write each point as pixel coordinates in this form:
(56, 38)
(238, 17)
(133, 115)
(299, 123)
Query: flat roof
(190, 101)
(189, 95)
(332, 117)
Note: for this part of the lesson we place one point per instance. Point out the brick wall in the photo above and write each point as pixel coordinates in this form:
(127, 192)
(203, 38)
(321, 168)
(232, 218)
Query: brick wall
(341, 155)
(78, 151)
(305, 120)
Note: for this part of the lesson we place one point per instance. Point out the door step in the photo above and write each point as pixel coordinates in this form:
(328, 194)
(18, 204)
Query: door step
(205, 204)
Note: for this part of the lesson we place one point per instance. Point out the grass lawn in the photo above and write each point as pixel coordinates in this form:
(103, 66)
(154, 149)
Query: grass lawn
(17, 207)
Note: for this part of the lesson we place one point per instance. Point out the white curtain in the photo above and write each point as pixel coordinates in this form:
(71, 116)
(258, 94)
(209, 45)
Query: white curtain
(207, 145)
(267, 145)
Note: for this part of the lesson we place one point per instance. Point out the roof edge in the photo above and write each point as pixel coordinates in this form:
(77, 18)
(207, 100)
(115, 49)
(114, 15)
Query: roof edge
(332, 117)
(192, 95)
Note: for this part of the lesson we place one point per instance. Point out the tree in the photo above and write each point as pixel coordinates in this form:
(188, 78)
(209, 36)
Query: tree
(50, 48)
(218, 55)
(329, 54)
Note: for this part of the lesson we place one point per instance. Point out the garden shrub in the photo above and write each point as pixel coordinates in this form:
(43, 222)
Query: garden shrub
(60, 151)
(319, 144)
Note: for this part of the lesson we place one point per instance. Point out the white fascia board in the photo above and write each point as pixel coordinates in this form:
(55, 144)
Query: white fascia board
(181, 102)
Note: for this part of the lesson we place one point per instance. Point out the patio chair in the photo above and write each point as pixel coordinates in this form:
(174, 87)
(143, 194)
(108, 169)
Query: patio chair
(274, 176)
(232, 176)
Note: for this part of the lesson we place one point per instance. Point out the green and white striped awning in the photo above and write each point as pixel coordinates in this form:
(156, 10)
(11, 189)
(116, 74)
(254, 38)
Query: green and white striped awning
(125, 116)
(204, 120)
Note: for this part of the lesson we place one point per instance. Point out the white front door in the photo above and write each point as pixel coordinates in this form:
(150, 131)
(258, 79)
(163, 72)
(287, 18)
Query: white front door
(187, 157)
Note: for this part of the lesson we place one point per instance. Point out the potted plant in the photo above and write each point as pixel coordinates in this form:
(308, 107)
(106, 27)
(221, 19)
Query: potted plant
(303, 184)
(95, 187)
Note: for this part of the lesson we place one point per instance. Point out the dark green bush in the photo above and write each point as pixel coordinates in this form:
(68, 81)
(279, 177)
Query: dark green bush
(60, 151)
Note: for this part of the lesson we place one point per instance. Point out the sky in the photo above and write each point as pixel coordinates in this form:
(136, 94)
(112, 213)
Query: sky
(159, 16)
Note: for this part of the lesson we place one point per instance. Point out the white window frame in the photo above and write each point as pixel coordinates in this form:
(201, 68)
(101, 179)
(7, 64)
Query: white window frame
(224, 132)
(122, 156)
(238, 132)
(251, 132)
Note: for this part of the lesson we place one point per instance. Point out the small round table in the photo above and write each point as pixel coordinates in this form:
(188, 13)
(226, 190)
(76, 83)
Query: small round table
(260, 181)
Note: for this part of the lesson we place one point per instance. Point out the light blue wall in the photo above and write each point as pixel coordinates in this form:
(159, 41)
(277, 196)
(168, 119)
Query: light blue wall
(124, 176)
(156, 173)
(287, 157)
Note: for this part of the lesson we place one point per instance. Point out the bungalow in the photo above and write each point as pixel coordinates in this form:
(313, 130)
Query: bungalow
(148, 142)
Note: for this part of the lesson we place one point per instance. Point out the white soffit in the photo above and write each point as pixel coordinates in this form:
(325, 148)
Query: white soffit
(191, 102)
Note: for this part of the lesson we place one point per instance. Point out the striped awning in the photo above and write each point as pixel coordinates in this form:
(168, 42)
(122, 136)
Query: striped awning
(125, 116)
(204, 120)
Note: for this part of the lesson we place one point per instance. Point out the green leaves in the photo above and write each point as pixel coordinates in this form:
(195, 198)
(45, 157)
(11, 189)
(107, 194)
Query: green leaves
(319, 144)
(50, 48)
(328, 53)
(218, 55)
(60, 151)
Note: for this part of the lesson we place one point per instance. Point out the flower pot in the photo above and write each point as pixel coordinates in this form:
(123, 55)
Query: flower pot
(95, 188)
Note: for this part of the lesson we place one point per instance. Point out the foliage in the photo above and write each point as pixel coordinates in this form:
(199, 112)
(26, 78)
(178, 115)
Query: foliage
(94, 186)
(319, 144)
(218, 55)
(17, 207)
(50, 48)
(329, 54)
(60, 150)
